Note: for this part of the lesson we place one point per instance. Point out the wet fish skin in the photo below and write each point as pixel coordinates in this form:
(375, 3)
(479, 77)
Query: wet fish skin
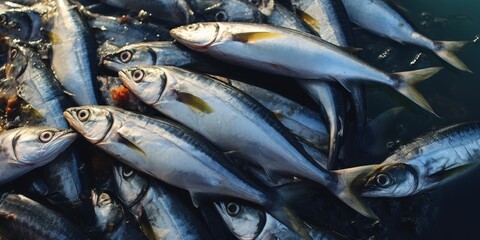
(378, 17)
(74, 57)
(256, 46)
(36, 84)
(197, 100)
(157, 210)
(25, 218)
(424, 163)
(228, 11)
(125, 30)
(136, 140)
(176, 12)
(23, 24)
(250, 223)
(111, 219)
(27, 148)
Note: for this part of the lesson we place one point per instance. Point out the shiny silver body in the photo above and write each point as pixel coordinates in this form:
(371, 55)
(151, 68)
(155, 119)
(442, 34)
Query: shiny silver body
(26, 219)
(74, 53)
(158, 211)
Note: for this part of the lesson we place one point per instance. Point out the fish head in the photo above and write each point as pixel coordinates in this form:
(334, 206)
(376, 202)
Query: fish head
(17, 61)
(108, 213)
(130, 185)
(232, 11)
(19, 24)
(244, 221)
(197, 36)
(393, 180)
(93, 122)
(37, 146)
(129, 56)
(147, 83)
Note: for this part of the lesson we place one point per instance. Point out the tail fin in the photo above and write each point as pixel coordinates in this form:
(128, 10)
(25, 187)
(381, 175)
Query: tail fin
(280, 206)
(445, 50)
(347, 192)
(409, 79)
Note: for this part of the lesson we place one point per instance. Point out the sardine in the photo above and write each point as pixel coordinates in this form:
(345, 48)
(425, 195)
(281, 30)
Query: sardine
(379, 18)
(36, 84)
(233, 121)
(159, 211)
(187, 161)
(256, 46)
(26, 148)
(74, 53)
(226, 11)
(23, 24)
(26, 219)
(110, 218)
(424, 163)
(250, 223)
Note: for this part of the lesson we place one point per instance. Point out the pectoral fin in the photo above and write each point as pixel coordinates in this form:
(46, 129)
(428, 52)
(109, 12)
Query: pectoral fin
(311, 21)
(254, 36)
(194, 102)
(130, 143)
(448, 173)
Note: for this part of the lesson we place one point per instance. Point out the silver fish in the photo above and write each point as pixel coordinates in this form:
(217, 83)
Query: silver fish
(250, 223)
(187, 161)
(160, 213)
(226, 11)
(74, 53)
(111, 219)
(424, 163)
(26, 148)
(23, 24)
(256, 46)
(379, 18)
(36, 84)
(233, 121)
(176, 12)
(25, 218)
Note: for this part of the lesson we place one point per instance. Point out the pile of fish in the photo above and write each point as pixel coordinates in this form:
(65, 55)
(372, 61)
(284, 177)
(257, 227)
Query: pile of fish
(162, 120)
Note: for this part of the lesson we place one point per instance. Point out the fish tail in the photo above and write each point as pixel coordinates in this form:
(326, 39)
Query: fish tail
(280, 207)
(446, 51)
(347, 191)
(410, 78)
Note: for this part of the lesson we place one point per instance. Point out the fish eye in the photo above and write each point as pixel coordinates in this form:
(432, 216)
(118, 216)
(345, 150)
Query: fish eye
(127, 172)
(255, 2)
(233, 209)
(46, 136)
(3, 19)
(13, 53)
(104, 199)
(126, 56)
(137, 75)
(383, 180)
(192, 27)
(221, 16)
(83, 115)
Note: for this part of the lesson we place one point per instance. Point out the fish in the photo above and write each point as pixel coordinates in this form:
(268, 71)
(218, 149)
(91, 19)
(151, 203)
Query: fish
(111, 220)
(423, 164)
(24, 218)
(256, 46)
(378, 17)
(37, 85)
(74, 57)
(233, 121)
(175, 12)
(159, 211)
(26, 148)
(226, 11)
(23, 24)
(250, 223)
(124, 30)
(188, 161)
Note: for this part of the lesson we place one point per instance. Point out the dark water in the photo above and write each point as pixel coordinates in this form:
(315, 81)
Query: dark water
(454, 96)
